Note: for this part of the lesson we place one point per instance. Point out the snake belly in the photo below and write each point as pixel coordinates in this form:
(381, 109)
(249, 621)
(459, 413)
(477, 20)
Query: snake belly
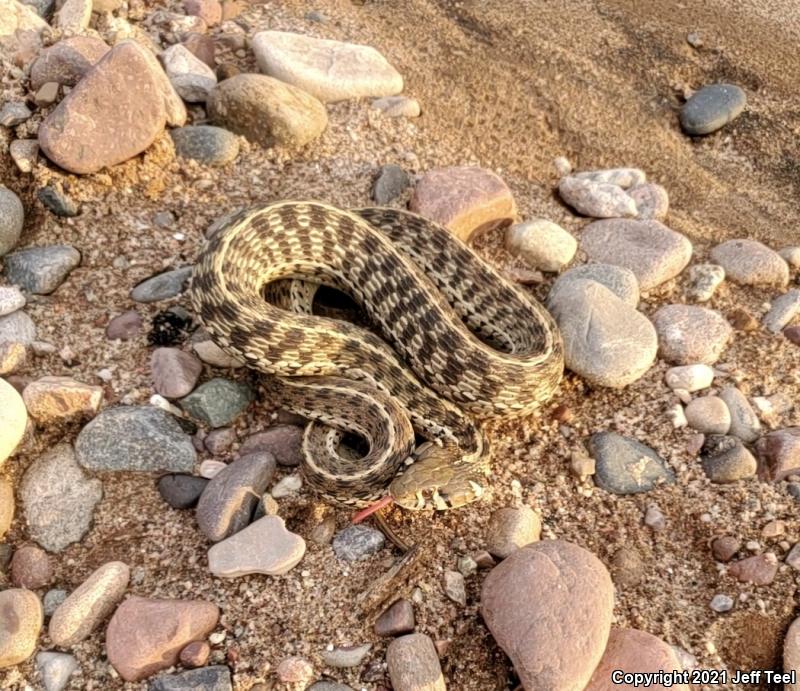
(451, 344)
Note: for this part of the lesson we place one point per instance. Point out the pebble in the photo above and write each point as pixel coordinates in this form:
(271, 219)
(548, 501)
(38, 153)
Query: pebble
(89, 604)
(40, 270)
(73, 15)
(52, 600)
(784, 308)
(709, 415)
(140, 438)
(181, 491)
(793, 334)
(287, 486)
(466, 200)
(6, 506)
(214, 678)
(744, 421)
(346, 657)
(711, 108)
(793, 558)
(455, 587)
(391, 182)
(357, 542)
(146, 635)
(322, 533)
(13, 419)
(55, 669)
(397, 620)
(17, 327)
(625, 465)
(209, 145)
(31, 568)
(210, 11)
(295, 670)
(67, 61)
(195, 654)
(328, 70)
(218, 402)
(209, 469)
(162, 286)
(511, 528)
(652, 201)
(24, 153)
(750, 263)
(202, 47)
(725, 459)
(621, 177)
(721, 603)
(653, 252)
(621, 282)
(689, 334)
(542, 244)
(124, 326)
(414, 664)
(690, 378)
(581, 464)
(627, 568)
(19, 626)
(58, 399)
(596, 199)
(14, 113)
(210, 353)
(621, 345)
(725, 547)
(12, 357)
(398, 106)
(12, 217)
(47, 95)
(175, 373)
(758, 570)
(326, 686)
(57, 201)
(572, 588)
(791, 255)
(58, 498)
(191, 78)
(265, 546)
(654, 518)
(11, 300)
(704, 279)
(228, 501)
(219, 441)
(266, 111)
(779, 452)
(791, 652)
(282, 441)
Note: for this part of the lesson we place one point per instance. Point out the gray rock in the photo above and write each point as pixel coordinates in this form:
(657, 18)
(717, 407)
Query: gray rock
(191, 78)
(622, 282)
(211, 146)
(622, 177)
(124, 326)
(52, 600)
(181, 491)
(162, 286)
(55, 669)
(542, 244)
(744, 421)
(357, 542)
(784, 308)
(217, 402)
(175, 373)
(708, 414)
(57, 201)
(606, 341)
(725, 459)
(712, 107)
(750, 263)
(689, 334)
(721, 603)
(652, 201)
(350, 656)
(214, 678)
(17, 327)
(135, 438)
(596, 199)
(11, 300)
(391, 182)
(24, 153)
(58, 499)
(704, 279)
(626, 466)
(12, 217)
(41, 270)
(14, 113)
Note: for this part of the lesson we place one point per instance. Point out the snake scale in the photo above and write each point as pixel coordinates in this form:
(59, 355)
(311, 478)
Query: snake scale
(451, 344)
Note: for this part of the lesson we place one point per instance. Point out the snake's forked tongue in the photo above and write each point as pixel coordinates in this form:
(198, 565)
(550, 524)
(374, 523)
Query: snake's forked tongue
(373, 508)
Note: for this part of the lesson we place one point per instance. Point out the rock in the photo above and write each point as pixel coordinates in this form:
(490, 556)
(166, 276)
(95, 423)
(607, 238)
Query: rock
(12, 357)
(581, 465)
(455, 587)
(652, 201)
(758, 570)
(211, 146)
(217, 402)
(11, 300)
(17, 327)
(175, 373)
(58, 499)
(742, 320)
(621, 177)
(19, 626)
(779, 454)
(25, 153)
(210, 11)
(55, 669)
(73, 15)
(146, 635)
(784, 308)
(135, 438)
(6, 506)
(265, 546)
(750, 263)
(632, 650)
(267, 111)
(689, 334)
(626, 466)
(744, 421)
(195, 654)
(725, 459)
(31, 568)
(556, 639)
(40, 270)
(704, 279)
(59, 399)
(282, 441)
(89, 604)
(653, 252)
(214, 678)
(689, 378)
(124, 326)
(326, 686)
(397, 620)
(52, 600)
(791, 255)
(67, 61)
(391, 182)
(413, 664)
(295, 670)
(398, 106)
(14, 113)
(328, 70)
(107, 118)
(228, 502)
(619, 281)
(712, 107)
(793, 334)
(202, 47)
(209, 469)
(162, 286)
(219, 441)
(511, 528)
(619, 347)
(13, 418)
(181, 491)
(210, 353)
(596, 199)
(709, 415)
(287, 486)
(721, 603)
(791, 652)
(724, 548)
(12, 216)
(47, 95)
(346, 657)
(191, 78)
(542, 244)
(467, 200)
(21, 29)
(357, 542)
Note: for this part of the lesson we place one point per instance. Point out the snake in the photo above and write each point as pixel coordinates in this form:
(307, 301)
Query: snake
(446, 345)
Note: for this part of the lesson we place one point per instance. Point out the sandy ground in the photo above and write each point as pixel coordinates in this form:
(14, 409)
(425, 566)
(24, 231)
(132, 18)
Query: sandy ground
(509, 86)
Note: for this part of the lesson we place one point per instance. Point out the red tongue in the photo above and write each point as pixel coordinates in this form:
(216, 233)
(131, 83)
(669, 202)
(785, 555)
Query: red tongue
(377, 506)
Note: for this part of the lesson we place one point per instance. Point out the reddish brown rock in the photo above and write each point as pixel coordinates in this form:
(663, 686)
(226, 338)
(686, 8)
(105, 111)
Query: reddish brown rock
(793, 334)
(195, 654)
(396, 620)
(31, 568)
(56, 399)
(467, 200)
(725, 547)
(202, 47)
(779, 454)
(282, 441)
(67, 61)
(124, 326)
(758, 570)
(145, 636)
(175, 373)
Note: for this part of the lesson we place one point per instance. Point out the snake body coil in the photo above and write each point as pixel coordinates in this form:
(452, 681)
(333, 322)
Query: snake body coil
(454, 343)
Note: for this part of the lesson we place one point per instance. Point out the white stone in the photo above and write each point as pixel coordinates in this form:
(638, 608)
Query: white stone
(189, 76)
(622, 177)
(16, 17)
(287, 486)
(11, 300)
(596, 199)
(55, 669)
(689, 377)
(542, 244)
(13, 418)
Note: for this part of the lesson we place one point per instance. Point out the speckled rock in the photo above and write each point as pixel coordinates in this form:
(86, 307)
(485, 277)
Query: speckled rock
(211, 146)
(621, 282)
(391, 182)
(55, 669)
(282, 441)
(19, 626)
(357, 542)
(783, 309)
(542, 244)
(73, 15)
(13, 357)
(162, 286)
(779, 454)
(346, 656)
(214, 678)
(181, 491)
(218, 401)
(67, 61)
(396, 620)
(17, 327)
(704, 279)
(708, 414)
(191, 78)
(626, 466)
(652, 201)
(14, 113)
(40, 270)
(711, 108)
(760, 569)
(11, 300)
(511, 528)
(750, 263)
(175, 373)
(12, 216)
(52, 600)
(689, 334)
(13, 418)
(413, 664)
(59, 399)
(744, 421)
(295, 670)
(596, 199)
(725, 547)
(31, 568)
(725, 459)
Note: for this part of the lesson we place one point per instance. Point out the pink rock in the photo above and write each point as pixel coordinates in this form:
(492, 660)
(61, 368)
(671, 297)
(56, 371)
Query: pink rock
(467, 200)
(779, 454)
(202, 47)
(31, 568)
(195, 654)
(210, 11)
(67, 61)
(175, 373)
(652, 201)
(124, 326)
(758, 570)
(145, 635)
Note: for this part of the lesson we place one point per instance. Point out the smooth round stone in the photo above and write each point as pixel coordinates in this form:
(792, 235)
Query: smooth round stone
(652, 201)
(175, 373)
(724, 548)
(211, 146)
(397, 620)
(210, 468)
(12, 217)
(391, 182)
(13, 418)
(219, 441)
(19, 626)
(750, 263)
(55, 669)
(398, 106)
(704, 279)
(214, 678)
(163, 286)
(711, 108)
(542, 244)
(690, 378)
(689, 334)
(346, 657)
(784, 308)
(725, 459)
(511, 528)
(210, 353)
(596, 199)
(295, 670)
(191, 78)
(758, 570)
(31, 568)
(414, 664)
(744, 421)
(67, 61)
(793, 334)
(57, 201)
(217, 402)
(574, 589)
(40, 270)
(11, 300)
(709, 415)
(124, 326)
(6, 506)
(721, 603)
(181, 491)
(791, 255)
(621, 282)
(625, 465)
(195, 654)
(618, 349)
(357, 542)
